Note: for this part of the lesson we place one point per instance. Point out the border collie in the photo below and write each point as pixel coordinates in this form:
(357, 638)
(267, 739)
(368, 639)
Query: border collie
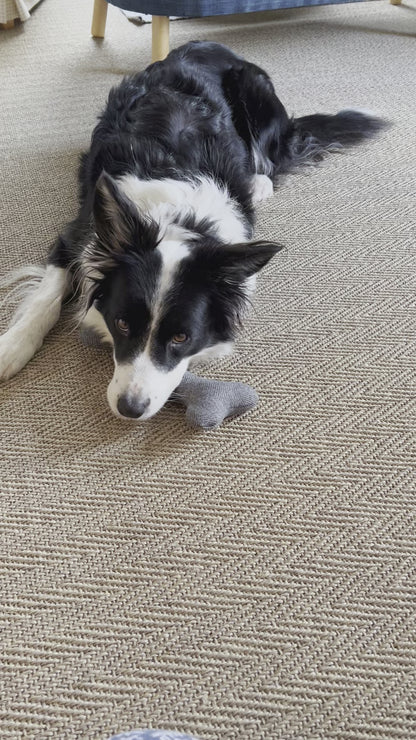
(160, 257)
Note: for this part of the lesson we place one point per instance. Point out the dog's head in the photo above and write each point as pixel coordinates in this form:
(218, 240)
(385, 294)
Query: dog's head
(164, 300)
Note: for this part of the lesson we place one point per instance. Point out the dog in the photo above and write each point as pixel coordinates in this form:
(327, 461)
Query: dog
(161, 258)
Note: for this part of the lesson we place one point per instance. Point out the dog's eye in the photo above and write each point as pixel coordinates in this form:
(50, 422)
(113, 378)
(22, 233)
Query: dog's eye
(179, 338)
(122, 327)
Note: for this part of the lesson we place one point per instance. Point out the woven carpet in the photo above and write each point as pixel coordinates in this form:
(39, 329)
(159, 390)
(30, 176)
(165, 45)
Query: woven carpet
(255, 582)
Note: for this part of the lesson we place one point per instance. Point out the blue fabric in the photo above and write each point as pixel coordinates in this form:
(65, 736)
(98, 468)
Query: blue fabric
(152, 735)
(199, 8)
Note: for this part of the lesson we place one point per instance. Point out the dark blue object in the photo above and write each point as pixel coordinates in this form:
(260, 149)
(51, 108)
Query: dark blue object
(198, 8)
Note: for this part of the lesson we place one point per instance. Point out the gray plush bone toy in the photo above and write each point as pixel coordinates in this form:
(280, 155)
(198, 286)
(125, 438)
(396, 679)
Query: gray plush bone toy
(207, 402)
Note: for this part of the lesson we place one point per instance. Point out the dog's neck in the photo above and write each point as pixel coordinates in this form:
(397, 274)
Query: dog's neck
(181, 206)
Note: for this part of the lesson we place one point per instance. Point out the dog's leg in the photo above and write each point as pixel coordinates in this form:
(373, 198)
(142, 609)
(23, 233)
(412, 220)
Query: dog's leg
(33, 320)
(262, 188)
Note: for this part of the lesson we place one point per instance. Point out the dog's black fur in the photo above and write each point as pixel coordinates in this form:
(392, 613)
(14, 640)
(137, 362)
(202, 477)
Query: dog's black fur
(203, 110)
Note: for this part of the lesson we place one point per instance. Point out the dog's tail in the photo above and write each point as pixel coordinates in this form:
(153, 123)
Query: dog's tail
(308, 139)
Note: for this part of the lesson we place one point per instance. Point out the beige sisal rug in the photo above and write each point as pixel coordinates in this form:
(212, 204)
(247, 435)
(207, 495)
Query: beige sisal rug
(257, 582)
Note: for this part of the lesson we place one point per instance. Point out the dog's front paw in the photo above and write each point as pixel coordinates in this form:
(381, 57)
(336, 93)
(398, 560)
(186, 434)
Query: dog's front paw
(262, 188)
(15, 352)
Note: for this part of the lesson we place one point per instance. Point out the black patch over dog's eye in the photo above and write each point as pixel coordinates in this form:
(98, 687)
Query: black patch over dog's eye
(179, 338)
(122, 327)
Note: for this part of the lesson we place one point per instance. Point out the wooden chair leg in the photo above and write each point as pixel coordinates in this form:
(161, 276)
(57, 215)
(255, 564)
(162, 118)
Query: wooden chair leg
(160, 37)
(7, 26)
(99, 17)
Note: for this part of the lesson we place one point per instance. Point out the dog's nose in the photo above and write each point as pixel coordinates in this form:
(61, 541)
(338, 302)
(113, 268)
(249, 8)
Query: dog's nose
(133, 408)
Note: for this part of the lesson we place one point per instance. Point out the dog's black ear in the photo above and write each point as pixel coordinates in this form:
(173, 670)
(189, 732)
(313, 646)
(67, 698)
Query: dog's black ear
(118, 224)
(238, 262)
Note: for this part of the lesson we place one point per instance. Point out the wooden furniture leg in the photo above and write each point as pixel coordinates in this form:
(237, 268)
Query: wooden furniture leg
(99, 17)
(395, 2)
(7, 26)
(160, 37)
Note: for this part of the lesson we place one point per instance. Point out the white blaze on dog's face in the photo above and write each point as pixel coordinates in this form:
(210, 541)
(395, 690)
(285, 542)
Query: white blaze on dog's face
(139, 389)
(163, 301)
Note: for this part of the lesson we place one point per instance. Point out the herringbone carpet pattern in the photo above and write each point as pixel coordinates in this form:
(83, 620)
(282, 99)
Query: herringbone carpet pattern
(256, 582)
